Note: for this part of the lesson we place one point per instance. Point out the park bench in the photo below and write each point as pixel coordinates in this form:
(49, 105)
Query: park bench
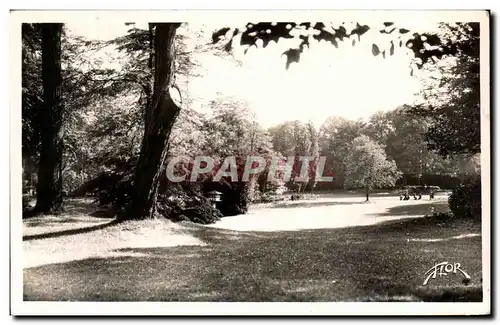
(417, 190)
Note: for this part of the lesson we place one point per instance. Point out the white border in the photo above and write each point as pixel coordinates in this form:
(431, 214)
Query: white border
(20, 307)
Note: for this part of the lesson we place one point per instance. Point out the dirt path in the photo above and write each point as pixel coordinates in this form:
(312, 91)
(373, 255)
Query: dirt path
(331, 212)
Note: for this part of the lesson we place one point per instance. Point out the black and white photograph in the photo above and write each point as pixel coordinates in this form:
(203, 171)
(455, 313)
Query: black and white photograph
(340, 159)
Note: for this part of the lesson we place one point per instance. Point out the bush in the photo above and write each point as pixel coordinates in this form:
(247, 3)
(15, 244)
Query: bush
(270, 197)
(181, 204)
(465, 200)
(234, 199)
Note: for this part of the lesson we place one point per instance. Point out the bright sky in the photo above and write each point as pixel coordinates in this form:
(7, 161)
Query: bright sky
(348, 81)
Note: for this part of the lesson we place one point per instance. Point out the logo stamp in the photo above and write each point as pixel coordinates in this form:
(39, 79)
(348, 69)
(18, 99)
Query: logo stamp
(443, 269)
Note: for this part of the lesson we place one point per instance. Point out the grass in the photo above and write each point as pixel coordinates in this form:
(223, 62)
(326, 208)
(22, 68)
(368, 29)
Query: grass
(161, 261)
(79, 214)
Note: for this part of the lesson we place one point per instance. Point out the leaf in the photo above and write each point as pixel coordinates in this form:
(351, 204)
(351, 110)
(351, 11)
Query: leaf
(216, 36)
(375, 50)
(229, 46)
(292, 55)
(403, 30)
(392, 48)
(360, 30)
(392, 30)
(353, 42)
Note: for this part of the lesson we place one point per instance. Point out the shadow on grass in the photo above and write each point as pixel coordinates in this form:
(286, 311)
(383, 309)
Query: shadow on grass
(414, 209)
(41, 222)
(70, 206)
(70, 232)
(371, 263)
(84, 205)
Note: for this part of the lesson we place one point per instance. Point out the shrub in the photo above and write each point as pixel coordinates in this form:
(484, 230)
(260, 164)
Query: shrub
(465, 200)
(180, 204)
(234, 198)
(270, 197)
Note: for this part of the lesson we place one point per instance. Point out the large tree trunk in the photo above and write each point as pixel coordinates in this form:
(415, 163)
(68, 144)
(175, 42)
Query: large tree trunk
(159, 122)
(49, 187)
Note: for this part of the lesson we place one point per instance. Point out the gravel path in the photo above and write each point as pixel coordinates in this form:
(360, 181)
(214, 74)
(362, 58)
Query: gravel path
(331, 212)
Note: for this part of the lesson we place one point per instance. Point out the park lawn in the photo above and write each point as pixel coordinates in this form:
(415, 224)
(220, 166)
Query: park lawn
(383, 262)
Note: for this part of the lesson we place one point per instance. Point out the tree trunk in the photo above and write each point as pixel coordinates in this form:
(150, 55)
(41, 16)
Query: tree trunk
(49, 186)
(367, 194)
(160, 120)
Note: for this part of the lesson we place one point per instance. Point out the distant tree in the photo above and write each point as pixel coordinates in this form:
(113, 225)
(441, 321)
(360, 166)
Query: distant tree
(335, 138)
(314, 153)
(232, 129)
(367, 166)
(380, 126)
(406, 143)
(297, 139)
(189, 135)
(403, 135)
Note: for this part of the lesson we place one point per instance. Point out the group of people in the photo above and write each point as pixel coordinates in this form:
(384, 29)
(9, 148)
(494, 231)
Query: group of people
(416, 193)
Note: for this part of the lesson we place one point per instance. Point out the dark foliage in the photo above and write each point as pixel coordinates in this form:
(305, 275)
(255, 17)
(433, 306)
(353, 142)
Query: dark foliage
(465, 201)
(181, 202)
(455, 127)
(234, 198)
(32, 91)
(425, 46)
(443, 181)
(273, 32)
